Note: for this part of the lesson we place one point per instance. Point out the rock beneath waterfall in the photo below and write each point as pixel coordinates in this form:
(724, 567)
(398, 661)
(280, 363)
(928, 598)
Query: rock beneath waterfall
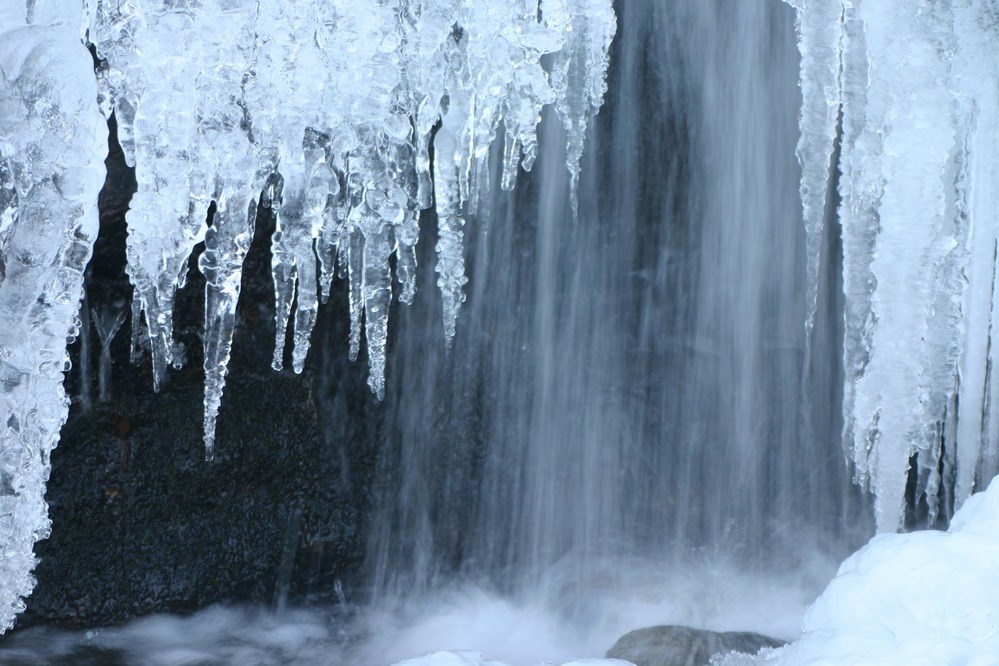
(684, 646)
(141, 524)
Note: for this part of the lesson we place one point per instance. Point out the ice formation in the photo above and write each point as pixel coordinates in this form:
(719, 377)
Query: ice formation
(323, 111)
(52, 145)
(818, 27)
(329, 108)
(916, 84)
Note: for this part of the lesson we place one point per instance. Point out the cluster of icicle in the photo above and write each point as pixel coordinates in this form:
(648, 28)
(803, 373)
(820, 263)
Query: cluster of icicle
(910, 89)
(328, 108)
(321, 109)
(53, 140)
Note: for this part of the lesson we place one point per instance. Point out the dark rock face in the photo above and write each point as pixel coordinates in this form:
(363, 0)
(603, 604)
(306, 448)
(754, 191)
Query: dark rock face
(140, 522)
(684, 646)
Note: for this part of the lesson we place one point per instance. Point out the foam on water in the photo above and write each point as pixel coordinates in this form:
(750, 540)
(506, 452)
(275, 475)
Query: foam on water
(563, 620)
(571, 619)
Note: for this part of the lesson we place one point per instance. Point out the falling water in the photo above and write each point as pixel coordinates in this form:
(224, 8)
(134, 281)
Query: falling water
(637, 382)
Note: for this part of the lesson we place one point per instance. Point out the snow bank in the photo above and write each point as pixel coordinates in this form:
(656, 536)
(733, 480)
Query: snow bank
(919, 598)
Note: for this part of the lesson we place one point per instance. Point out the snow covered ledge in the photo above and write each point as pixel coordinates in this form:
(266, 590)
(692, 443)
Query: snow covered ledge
(919, 598)
(53, 139)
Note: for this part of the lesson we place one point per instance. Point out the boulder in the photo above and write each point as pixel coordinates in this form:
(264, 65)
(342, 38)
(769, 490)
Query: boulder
(684, 646)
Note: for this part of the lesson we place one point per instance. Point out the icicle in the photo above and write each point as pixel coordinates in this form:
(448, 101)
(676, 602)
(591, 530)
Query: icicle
(377, 294)
(226, 244)
(988, 456)
(355, 268)
(909, 248)
(284, 273)
(860, 190)
(135, 340)
(54, 161)
(919, 233)
(361, 90)
(979, 303)
(450, 249)
(83, 369)
(107, 322)
(578, 73)
(819, 25)
(407, 234)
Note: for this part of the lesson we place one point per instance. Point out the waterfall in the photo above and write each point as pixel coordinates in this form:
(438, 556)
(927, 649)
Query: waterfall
(635, 381)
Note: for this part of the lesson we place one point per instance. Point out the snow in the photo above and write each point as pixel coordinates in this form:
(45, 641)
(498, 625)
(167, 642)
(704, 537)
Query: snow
(464, 658)
(921, 598)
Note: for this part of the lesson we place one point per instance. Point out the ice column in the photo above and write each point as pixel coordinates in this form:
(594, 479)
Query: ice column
(819, 28)
(52, 143)
(918, 84)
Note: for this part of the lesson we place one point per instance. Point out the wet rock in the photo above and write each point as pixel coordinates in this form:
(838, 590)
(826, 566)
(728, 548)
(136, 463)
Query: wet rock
(684, 646)
(141, 523)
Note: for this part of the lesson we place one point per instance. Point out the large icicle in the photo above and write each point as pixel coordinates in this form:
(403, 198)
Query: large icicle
(909, 109)
(918, 86)
(978, 95)
(52, 143)
(819, 26)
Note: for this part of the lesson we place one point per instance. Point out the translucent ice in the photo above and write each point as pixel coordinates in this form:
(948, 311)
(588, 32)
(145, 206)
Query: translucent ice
(328, 109)
(52, 142)
(323, 111)
(819, 27)
(917, 84)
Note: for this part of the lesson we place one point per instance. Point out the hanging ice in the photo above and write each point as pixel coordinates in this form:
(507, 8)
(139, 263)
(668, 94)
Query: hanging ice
(323, 111)
(918, 176)
(818, 24)
(52, 143)
(329, 108)
(579, 69)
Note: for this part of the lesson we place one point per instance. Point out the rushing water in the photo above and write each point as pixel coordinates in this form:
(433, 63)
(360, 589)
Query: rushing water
(637, 381)
(631, 427)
